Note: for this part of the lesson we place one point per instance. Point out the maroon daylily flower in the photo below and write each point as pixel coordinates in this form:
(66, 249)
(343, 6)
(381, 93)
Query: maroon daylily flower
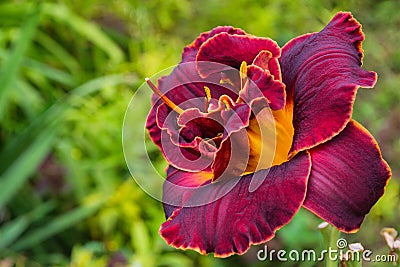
(217, 137)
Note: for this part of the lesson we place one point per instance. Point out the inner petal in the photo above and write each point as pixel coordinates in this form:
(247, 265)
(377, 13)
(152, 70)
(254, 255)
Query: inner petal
(270, 138)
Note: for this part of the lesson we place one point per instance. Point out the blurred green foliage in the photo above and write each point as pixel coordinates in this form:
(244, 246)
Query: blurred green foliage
(67, 72)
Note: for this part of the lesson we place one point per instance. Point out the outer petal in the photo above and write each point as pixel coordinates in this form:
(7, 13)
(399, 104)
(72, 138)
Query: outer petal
(348, 176)
(190, 51)
(232, 50)
(178, 184)
(322, 72)
(232, 223)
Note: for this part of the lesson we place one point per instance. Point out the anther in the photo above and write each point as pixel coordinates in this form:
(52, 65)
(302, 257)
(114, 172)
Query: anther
(243, 74)
(227, 106)
(207, 91)
(227, 101)
(163, 97)
(243, 79)
(207, 97)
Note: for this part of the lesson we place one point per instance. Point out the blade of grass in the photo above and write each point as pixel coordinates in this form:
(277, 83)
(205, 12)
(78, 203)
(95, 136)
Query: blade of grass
(55, 226)
(25, 164)
(11, 13)
(10, 67)
(51, 73)
(22, 155)
(30, 100)
(16, 146)
(102, 82)
(45, 70)
(87, 29)
(60, 53)
(13, 229)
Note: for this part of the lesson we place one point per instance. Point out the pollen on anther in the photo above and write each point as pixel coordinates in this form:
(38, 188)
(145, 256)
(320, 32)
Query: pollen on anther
(227, 105)
(243, 74)
(207, 92)
(243, 70)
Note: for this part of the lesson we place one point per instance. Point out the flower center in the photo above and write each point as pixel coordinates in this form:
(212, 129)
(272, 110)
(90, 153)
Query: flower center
(265, 135)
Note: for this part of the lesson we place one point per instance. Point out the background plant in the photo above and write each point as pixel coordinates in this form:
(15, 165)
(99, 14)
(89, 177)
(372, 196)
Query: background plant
(67, 72)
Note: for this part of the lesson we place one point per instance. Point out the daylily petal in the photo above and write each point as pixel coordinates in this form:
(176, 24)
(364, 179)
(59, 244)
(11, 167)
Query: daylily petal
(196, 123)
(250, 140)
(238, 219)
(264, 85)
(152, 127)
(185, 87)
(249, 149)
(267, 61)
(348, 176)
(178, 184)
(232, 50)
(219, 120)
(232, 157)
(190, 51)
(177, 88)
(322, 71)
(182, 148)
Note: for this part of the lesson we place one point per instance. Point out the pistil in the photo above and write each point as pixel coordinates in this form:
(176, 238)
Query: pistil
(163, 97)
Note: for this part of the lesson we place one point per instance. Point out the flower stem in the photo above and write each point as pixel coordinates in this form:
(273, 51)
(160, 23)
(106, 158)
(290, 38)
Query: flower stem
(333, 237)
(330, 235)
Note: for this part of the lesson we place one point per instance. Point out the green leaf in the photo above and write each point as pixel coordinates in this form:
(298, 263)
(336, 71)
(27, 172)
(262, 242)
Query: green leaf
(23, 165)
(10, 67)
(51, 73)
(102, 82)
(13, 229)
(174, 259)
(56, 226)
(60, 53)
(87, 29)
(11, 13)
(20, 158)
(25, 139)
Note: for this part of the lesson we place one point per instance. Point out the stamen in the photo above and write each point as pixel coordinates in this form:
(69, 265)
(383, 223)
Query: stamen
(227, 101)
(243, 74)
(163, 97)
(207, 91)
(226, 80)
(226, 104)
(207, 98)
(243, 79)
